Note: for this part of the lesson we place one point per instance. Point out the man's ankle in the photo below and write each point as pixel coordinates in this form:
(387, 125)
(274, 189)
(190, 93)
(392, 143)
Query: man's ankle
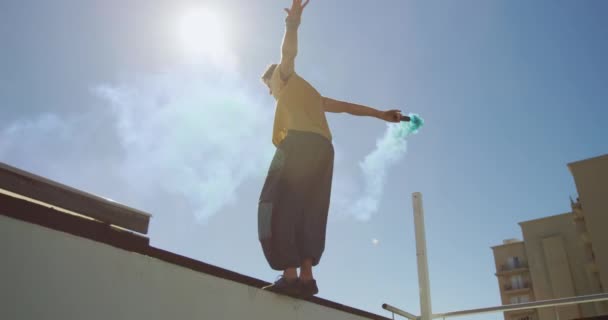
(306, 277)
(290, 274)
(306, 270)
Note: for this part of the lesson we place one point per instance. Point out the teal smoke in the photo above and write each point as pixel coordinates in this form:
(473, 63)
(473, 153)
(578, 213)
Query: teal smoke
(409, 127)
(389, 151)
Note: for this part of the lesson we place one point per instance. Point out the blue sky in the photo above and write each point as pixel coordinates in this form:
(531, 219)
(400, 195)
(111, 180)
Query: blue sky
(102, 95)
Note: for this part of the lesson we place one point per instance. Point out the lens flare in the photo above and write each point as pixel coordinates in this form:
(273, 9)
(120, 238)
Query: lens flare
(203, 36)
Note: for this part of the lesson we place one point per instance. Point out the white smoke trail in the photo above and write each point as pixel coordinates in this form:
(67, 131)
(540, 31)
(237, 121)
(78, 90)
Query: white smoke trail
(182, 139)
(390, 150)
(191, 134)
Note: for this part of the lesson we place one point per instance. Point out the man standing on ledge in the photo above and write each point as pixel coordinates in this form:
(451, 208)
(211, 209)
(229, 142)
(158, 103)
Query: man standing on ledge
(294, 202)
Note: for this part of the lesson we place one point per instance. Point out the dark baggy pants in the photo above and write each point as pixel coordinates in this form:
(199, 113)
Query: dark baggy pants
(293, 207)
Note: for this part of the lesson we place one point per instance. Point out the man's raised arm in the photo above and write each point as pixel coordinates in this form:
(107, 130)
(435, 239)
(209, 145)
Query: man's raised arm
(289, 49)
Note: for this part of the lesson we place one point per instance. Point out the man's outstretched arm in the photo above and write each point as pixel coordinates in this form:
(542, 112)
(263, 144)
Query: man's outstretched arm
(337, 106)
(289, 49)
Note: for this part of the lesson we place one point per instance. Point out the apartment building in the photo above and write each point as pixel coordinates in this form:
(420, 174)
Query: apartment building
(563, 255)
(514, 277)
(591, 215)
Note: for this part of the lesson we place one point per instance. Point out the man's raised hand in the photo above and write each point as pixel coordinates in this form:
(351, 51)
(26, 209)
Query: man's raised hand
(296, 9)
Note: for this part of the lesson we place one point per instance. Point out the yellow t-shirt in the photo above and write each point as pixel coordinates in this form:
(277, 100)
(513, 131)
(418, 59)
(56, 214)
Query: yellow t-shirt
(299, 107)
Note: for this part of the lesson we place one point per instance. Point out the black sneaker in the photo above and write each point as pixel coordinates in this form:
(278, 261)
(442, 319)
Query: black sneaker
(308, 288)
(284, 286)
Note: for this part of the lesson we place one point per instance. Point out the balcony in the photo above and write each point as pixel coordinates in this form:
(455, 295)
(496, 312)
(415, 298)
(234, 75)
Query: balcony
(526, 315)
(581, 230)
(577, 210)
(517, 289)
(508, 269)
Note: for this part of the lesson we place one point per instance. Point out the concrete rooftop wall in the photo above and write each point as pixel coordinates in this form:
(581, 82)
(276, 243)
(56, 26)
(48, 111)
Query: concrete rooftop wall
(48, 274)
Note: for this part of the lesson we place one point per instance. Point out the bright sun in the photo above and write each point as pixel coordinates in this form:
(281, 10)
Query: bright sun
(203, 35)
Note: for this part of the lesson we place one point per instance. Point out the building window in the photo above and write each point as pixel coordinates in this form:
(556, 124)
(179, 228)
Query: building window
(519, 299)
(513, 262)
(517, 282)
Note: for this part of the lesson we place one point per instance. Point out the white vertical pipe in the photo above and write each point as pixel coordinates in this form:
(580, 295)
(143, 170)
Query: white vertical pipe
(423, 266)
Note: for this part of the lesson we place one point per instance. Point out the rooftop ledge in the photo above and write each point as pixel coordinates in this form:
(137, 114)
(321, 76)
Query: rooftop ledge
(41, 190)
(66, 265)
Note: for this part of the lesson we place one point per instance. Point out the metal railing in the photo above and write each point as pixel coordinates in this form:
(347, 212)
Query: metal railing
(510, 287)
(424, 283)
(528, 305)
(510, 307)
(516, 266)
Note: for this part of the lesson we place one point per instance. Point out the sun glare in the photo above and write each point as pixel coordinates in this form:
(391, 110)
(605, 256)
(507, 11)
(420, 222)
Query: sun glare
(203, 36)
